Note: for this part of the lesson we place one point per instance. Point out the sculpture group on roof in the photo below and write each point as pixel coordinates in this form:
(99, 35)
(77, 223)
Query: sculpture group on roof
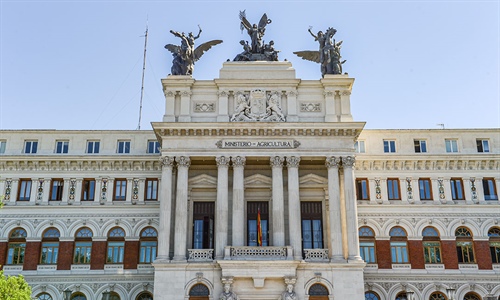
(185, 55)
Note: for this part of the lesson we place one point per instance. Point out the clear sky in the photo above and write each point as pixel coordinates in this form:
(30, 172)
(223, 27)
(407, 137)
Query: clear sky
(78, 64)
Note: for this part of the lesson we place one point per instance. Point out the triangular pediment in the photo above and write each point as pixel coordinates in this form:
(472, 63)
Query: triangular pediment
(258, 181)
(203, 181)
(312, 180)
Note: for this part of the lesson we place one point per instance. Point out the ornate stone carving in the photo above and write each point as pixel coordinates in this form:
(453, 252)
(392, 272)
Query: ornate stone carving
(183, 161)
(8, 188)
(277, 161)
(292, 93)
(135, 190)
(72, 188)
(348, 161)
(222, 93)
(167, 161)
(258, 106)
(473, 190)
(409, 190)
(39, 195)
(378, 191)
(346, 93)
(332, 162)
(292, 161)
(222, 161)
(204, 107)
(310, 107)
(441, 189)
(238, 161)
(104, 190)
(170, 93)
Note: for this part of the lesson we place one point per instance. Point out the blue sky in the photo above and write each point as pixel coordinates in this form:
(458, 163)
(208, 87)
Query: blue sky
(77, 64)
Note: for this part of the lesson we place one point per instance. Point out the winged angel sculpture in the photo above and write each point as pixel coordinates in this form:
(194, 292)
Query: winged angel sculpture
(257, 50)
(328, 54)
(186, 55)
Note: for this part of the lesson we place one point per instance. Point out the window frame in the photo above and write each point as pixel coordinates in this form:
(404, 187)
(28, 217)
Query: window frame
(390, 146)
(86, 190)
(18, 244)
(59, 189)
(400, 253)
(451, 145)
(115, 243)
(465, 246)
(93, 146)
(494, 243)
(32, 148)
(151, 194)
(49, 251)
(83, 245)
(148, 245)
(483, 145)
(311, 212)
(420, 146)
(62, 147)
(427, 195)
(3, 146)
(396, 188)
(360, 146)
(457, 188)
(155, 147)
(122, 195)
(123, 146)
(362, 191)
(489, 189)
(26, 196)
(251, 216)
(367, 244)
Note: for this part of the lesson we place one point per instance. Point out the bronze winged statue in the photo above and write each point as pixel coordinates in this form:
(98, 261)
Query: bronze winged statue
(328, 55)
(186, 55)
(256, 50)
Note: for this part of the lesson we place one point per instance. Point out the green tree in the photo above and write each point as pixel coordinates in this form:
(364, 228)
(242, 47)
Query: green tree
(14, 288)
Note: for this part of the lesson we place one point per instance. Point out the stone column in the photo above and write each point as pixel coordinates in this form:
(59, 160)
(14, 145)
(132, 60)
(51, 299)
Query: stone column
(345, 106)
(185, 111)
(181, 208)
(165, 208)
(238, 200)
(223, 106)
(336, 248)
(351, 209)
(78, 189)
(278, 205)
(169, 106)
(221, 206)
(294, 219)
(11, 189)
(291, 97)
(65, 192)
(330, 113)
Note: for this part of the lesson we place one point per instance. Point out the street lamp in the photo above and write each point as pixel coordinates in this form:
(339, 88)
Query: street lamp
(105, 295)
(450, 292)
(67, 294)
(409, 295)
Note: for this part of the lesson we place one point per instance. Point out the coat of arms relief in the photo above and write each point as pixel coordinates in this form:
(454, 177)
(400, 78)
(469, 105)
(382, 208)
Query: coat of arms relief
(258, 106)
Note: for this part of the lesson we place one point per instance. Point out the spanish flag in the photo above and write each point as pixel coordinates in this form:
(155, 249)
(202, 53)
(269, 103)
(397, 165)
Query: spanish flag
(259, 229)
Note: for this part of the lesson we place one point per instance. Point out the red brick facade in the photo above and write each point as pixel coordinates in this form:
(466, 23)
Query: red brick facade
(384, 254)
(131, 255)
(449, 254)
(98, 255)
(483, 255)
(32, 255)
(416, 254)
(65, 258)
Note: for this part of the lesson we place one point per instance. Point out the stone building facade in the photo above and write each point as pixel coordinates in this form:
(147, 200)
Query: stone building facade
(175, 213)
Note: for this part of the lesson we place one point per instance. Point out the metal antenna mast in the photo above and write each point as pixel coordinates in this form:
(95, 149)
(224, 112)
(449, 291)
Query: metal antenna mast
(143, 71)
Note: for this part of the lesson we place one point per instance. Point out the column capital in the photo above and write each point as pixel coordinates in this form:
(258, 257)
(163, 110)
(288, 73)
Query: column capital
(222, 161)
(183, 161)
(332, 162)
(167, 161)
(292, 161)
(238, 161)
(348, 161)
(277, 161)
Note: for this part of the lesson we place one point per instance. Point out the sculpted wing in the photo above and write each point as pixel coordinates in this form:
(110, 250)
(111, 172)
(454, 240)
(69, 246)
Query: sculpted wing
(173, 48)
(201, 49)
(245, 22)
(263, 21)
(308, 55)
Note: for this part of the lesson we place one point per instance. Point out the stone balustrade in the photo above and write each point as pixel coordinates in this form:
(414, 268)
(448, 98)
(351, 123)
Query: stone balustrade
(258, 253)
(316, 254)
(200, 254)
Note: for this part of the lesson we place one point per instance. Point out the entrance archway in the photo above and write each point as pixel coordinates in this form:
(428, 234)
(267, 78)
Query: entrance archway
(318, 292)
(199, 292)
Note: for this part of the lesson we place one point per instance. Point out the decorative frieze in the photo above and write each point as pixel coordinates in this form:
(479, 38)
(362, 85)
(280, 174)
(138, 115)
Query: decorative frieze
(204, 107)
(257, 144)
(310, 107)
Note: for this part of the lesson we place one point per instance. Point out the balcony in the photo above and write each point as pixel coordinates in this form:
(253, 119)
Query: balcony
(258, 253)
(200, 255)
(316, 255)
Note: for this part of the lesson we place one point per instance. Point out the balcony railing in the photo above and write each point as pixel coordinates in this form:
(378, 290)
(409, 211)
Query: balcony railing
(258, 253)
(316, 254)
(201, 254)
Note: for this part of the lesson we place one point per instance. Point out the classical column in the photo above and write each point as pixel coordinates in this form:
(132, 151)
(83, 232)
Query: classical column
(221, 211)
(345, 106)
(351, 208)
(223, 107)
(291, 97)
(278, 205)
(238, 200)
(330, 112)
(181, 208)
(165, 207)
(169, 115)
(294, 219)
(185, 110)
(336, 248)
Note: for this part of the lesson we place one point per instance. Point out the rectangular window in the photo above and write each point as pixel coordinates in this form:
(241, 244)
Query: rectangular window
(451, 146)
(24, 190)
(93, 146)
(120, 189)
(56, 189)
(367, 251)
(50, 252)
(15, 254)
(389, 146)
(153, 147)
(362, 189)
(483, 145)
(62, 146)
(30, 146)
(457, 189)
(147, 252)
(253, 209)
(424, 187)
(432, 252)
(495, 252)
(123, 147)
(88, 190)
(312, 225)
(420, 146)
(203, 225)
(359, 146)
(399, 253)
(115, 252)
(393, 189)
(151, 189)
(82, 252)
(490, 191)
(3, 144)
(465, 252)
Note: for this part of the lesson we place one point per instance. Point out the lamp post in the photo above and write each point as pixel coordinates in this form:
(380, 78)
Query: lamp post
(450, 292)
(409, 295)
(67, 294)
(105, 295)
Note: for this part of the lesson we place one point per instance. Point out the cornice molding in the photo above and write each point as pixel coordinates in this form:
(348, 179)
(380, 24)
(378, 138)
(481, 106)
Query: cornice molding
(429, 163)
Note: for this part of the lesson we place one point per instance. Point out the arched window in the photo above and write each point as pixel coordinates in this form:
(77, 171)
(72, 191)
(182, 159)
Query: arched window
(371, 296)
(16, 247)
(465, 248)
(148, 245)
(144, 296)
(432, 246)
(367, 245)
(114, 296)
(83, 246)
(43, 296)
(494, 234)
(471, 296)
(78, 296)
(199, 290)
(318, 290)
(50, 246)
(116, 245)
(399, 246)
(401, 296)
(438, 296)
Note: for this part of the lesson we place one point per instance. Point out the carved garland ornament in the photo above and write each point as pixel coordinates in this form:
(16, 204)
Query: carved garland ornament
(258, 106)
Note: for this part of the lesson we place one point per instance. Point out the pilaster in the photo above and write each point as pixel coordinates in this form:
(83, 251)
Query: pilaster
(221, 212)
(292, 163)
(165, 198)
(278, 201)
(336, 241)
(223, 106)
(291, 97)
(238, 200)
(351, 209)
(180, 240)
